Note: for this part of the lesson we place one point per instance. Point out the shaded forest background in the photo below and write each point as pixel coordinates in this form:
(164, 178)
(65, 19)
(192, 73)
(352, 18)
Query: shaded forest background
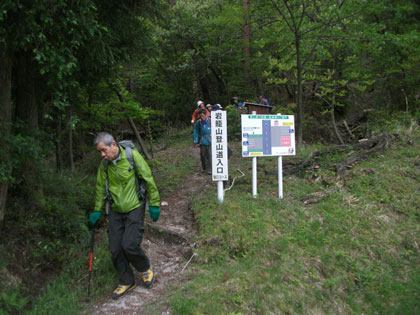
(69, 69)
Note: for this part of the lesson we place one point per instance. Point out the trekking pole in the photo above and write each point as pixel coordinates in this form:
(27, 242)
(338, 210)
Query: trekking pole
(92, 243)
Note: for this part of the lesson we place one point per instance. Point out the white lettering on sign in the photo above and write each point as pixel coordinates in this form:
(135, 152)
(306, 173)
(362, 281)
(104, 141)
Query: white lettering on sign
(219, 146)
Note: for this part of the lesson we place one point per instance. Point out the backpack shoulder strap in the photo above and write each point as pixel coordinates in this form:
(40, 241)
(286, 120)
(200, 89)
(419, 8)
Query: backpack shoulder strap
(108, 196)
(105, 163)
(128, 146)
(140, 184)
(129, 155)
(208, 119)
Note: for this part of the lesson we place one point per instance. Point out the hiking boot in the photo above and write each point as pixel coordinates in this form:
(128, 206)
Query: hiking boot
(148, 278)
(121, 290)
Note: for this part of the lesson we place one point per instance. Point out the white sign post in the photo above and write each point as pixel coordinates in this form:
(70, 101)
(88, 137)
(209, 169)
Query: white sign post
(280, 170)
(219, 150)
(268, 135)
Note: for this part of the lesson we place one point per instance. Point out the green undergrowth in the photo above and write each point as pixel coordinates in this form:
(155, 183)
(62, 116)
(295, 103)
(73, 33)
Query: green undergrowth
(42, 236)
(44, 254)
(354, 251)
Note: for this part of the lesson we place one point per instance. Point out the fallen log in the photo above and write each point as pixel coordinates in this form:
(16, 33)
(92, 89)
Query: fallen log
(318, 196)
(374, 145)
(370, 147)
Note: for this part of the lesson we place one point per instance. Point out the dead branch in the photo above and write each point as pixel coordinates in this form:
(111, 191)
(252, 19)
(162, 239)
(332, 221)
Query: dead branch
(369, 146)
(318, 196)
(348, 129)
(375, 144)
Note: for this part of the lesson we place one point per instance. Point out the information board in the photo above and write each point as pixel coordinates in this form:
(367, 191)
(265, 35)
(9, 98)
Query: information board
(268, 135)
(219, 146)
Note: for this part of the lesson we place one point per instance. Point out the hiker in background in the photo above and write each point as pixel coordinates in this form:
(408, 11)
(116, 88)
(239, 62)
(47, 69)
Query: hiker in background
(209, 107)
(195, 115)
(202, 139)
(126, 216)
(261, 100)
(237, 103)
(217, 107)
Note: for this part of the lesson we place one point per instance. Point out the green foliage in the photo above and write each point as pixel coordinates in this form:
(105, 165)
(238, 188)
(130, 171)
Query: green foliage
(21, 149)
(233, 118)
(58, 299)
(66, 291)
(50, 230)
(11, 301)
(55, 222)
(114, 111)
(401, 123)
(288, 109)
(154, 125)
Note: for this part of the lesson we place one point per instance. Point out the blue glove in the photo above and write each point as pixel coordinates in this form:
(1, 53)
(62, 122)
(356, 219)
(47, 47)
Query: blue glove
(154, 213)
(94, 217)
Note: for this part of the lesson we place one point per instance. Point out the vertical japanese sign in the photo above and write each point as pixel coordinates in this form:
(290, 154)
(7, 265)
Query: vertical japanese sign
(219, 146)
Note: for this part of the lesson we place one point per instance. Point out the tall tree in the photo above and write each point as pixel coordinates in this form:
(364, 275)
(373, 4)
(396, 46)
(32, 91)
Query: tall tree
(305, 20)
(5, 124)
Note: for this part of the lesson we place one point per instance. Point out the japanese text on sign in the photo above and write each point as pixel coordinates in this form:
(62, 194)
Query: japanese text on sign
(219, 146)
(268, 135)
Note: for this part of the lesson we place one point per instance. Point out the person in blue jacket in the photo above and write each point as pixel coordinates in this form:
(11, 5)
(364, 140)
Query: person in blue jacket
(237, 103)
(202, 139)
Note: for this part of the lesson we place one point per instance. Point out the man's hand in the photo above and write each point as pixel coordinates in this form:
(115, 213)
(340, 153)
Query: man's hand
(154, 213)
(195, 145)
(192, 121)
(94, 217)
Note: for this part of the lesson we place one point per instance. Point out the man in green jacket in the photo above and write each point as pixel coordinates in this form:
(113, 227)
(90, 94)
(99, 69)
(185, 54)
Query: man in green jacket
(126, 218)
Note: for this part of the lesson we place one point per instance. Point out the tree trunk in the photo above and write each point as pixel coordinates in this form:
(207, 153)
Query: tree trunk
(299, 101)
(58, 151)
(5, 119)
(204, 88)
(139, 139)
(26, 107)
(149, 130)
(221, 84)
(27, 114)
(247, 39)
(71, 141)
(337, 132)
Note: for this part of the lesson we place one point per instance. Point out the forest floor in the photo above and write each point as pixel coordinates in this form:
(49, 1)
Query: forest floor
(328, 247)
(168, 243)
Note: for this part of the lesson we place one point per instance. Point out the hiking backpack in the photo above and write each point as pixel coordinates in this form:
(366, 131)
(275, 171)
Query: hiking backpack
(128, 146)
(200, 125)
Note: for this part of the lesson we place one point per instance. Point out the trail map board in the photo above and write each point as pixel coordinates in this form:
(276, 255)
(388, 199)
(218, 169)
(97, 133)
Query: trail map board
(268, 135)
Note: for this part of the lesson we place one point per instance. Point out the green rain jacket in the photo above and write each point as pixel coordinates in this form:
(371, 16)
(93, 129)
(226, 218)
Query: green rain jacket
(122, 183)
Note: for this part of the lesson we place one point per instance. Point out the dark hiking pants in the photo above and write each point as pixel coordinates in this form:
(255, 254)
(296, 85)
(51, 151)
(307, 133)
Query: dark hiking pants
(205, 154)
(125, 233)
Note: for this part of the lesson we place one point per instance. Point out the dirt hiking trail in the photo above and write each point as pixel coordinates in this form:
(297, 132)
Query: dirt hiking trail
(168, 243)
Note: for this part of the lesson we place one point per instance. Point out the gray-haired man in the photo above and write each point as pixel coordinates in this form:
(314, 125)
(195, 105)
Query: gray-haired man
(126, 218)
